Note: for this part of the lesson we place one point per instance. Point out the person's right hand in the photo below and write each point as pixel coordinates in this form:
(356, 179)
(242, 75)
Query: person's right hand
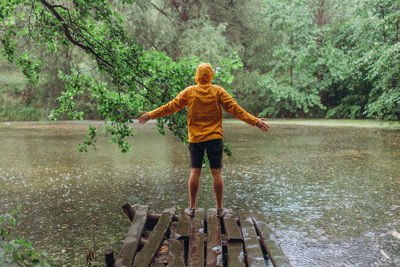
(145, 117)
(262, 125)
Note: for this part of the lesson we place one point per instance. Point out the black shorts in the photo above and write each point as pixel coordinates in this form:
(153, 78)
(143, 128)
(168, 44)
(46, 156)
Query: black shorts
(214, 150)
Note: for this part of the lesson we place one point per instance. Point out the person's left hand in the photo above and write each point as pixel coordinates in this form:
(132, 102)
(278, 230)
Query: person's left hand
(262, 125)
(145, 117)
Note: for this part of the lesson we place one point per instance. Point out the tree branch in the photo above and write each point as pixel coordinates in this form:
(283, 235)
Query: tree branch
(66, 27)
(161, 11)
(99, 59)
(61, 6)
(29, 20)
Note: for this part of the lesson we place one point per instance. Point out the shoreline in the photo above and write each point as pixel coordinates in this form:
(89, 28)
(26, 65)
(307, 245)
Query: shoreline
(359, 123)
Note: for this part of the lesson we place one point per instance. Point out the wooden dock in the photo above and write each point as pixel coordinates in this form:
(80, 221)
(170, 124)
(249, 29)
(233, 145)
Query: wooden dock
(176, 239)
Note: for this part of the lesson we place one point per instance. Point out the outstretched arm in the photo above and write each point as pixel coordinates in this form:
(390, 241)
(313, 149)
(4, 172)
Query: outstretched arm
(176, 104)
(230, 105)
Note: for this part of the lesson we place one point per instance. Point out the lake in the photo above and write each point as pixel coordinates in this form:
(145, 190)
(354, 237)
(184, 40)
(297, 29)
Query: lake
(331, 194)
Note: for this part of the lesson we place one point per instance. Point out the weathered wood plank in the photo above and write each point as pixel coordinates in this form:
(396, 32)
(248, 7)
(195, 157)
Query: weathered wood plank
(252, 246)
(158, 264)
(231, 228)
(196, 241)
(145, 256)
(183, 227)
(214, 239)
(132, 239)
(271, 244)
(176, 250)
(235, 252)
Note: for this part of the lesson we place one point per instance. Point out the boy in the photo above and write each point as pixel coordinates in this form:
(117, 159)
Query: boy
(204, 102)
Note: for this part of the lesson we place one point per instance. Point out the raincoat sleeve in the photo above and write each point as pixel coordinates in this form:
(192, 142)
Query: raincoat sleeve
(176, 104)
(230, 105)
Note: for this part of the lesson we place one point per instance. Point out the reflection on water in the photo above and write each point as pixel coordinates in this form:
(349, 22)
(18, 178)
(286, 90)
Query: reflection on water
(331, 194)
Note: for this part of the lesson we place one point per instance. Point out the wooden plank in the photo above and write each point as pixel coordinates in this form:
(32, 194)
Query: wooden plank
(145, 256)
(196, 240)
(270, 242)
(176, 250)
(183, 227)
(235, 253)
(255, 256)
(231, 228)
(157, 264)
(214, 239)
(132, 239)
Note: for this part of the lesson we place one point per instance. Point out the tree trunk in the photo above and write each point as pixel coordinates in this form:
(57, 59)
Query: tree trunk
(319, 19)
(383, 18)
(291, 60)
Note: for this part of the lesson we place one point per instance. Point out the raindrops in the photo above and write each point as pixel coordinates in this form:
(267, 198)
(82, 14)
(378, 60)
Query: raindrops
(331, 195)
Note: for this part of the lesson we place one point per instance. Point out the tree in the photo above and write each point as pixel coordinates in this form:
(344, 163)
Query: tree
(362, 63)
(136, 79)
(291, 87)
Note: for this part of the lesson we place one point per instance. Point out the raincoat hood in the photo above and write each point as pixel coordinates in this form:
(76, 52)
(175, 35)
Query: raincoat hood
(204, 74)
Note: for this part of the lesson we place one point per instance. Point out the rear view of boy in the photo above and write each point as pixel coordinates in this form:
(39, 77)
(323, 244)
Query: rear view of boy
(204, 102)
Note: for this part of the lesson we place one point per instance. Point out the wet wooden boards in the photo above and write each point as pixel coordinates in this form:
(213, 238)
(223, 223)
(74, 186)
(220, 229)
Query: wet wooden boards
(231, 227)
(196, 241)
(146, 255)
(235, 253)
(214, 240)
(176, 252)
(183, 226)
(132, 239)
(202, 240)
(269, 241)
(252, 247)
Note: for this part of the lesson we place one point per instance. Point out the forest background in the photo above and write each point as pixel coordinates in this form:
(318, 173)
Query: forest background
(292, 58)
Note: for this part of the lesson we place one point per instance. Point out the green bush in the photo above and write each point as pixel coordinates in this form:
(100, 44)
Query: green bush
(23, 112)
(18, 251)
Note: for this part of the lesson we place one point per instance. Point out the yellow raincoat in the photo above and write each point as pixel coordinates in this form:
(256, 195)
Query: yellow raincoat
(204, 102)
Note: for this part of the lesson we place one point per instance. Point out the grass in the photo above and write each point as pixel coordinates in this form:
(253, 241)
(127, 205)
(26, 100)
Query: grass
(12, 78)
(11, 82)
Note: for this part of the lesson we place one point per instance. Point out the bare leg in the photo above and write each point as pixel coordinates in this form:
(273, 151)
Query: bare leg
(194, 182)
(218, 184)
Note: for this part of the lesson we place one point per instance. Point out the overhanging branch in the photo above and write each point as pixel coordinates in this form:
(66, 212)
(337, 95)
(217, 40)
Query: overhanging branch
(99, 59)
(66, 27)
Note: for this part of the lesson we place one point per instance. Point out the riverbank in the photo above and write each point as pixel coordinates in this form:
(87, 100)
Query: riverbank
(361, 123)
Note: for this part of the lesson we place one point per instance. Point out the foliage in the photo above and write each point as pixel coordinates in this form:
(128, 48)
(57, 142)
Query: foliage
(290, 58)
(202, 31)
(18, 251)
(362, 63)
(137, 79)
(12, 112)
(290, 87)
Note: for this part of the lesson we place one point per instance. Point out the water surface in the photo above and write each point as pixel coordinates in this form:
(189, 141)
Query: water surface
(332, 194)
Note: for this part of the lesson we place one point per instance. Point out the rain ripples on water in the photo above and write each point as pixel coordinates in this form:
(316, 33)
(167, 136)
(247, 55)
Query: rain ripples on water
(331, 194)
